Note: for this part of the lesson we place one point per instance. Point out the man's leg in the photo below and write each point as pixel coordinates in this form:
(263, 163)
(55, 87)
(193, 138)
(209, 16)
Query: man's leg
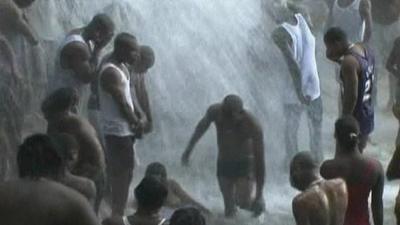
(227, 188)
(292, 116)
(314, 112)
(121, 166)
(245, 192)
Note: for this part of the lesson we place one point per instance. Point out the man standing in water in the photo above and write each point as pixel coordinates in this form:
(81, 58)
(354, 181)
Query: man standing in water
(322, 202)
(297, 44)
(120, 123)
(241, 163)
(357, 71)
(77, 60)
(363, 175)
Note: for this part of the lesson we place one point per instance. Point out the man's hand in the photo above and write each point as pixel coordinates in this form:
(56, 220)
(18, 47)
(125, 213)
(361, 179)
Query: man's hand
(307, 100)
(258, 207)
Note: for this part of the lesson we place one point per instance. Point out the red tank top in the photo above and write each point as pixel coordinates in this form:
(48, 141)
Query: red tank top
(357, 210)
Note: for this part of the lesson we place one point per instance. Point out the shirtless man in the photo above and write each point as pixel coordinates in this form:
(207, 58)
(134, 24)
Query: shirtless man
(145, 62)
(120, 123)
(34, 200)
(68, 148)
(77, 61)
(177, 197)
(357, 71)
(393, 173)
(58, 110)
(393, 66)
(322, 202)
(187, 216)
(297, 44)
(241, 163)
(363, 175)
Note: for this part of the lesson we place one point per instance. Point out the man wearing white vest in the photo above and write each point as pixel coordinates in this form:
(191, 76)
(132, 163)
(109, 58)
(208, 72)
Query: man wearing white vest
(77, 59)
(121, 120)
(297, 44)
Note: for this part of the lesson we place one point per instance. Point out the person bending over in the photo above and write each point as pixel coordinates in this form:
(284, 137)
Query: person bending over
(321, 202)
(363, 174)
(241, 163)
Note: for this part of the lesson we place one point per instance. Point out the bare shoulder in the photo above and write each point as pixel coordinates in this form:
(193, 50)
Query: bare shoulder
(252, 121)
(213, 111)
(328, 169)
(338, 185)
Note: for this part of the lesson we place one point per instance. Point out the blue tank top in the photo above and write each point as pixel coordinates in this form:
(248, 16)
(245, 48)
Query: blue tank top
(364, 110)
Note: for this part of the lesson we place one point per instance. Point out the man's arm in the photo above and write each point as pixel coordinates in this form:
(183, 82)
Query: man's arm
(283, 40)
(376, 197)
(366, 15)
(393, 170)
(143, 97)
(77, 57)
(112, 83)
(350, 84)
(300, 212)
(201, 128)
(258, 141)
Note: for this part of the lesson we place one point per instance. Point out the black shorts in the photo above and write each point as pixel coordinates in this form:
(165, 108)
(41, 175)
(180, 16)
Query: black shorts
(234, 169)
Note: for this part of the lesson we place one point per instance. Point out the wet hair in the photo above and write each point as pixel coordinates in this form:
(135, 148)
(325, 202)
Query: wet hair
(124, 40)
(304, 160)
(335, 34)
(151, 193)
(23, 3)
(232, 102)
(347, 131)
(187, 216)
(59, 101)
(147, 56)
(65, 143)
(156, 168)
(102, 22)
(37, 157)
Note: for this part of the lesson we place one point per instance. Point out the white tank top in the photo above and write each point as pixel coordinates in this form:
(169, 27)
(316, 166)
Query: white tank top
(112, 119)
(349, 19)
(304, 53)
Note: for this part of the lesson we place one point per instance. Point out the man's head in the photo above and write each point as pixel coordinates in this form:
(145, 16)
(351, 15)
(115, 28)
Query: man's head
(303, 170)
(336, 43)
(126, 48)
(347, 131)
(232, 107)
(23, 3)
(68, 148)
(157, 170)
(100, 30)
(187, 216)
(38, 157)
(146, 60)
(61, 100)
(150, 194)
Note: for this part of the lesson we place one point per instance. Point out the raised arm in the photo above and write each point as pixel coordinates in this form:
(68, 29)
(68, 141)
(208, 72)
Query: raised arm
(376, 197)
(77, 57)
(111, 82)
(350, 84)
(201, 128)
(366, 15)
(283, 40)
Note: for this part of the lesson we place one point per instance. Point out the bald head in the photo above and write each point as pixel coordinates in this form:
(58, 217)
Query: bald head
(147, 59)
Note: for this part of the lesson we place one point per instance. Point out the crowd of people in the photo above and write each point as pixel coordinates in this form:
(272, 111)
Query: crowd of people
(97, 107)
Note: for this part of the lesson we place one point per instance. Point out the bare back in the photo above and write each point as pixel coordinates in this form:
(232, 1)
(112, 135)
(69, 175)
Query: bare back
(43, 202)
(324, 203)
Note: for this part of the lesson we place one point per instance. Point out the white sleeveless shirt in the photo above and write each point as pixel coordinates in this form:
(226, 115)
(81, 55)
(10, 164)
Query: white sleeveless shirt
(349, 19)
(303, 47)
(112, 119)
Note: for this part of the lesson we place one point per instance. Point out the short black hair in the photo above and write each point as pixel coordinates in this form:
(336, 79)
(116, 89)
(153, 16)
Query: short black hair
(347, 132)
(232, 102)
(147, 56)
(156, 168)
(187, 216)
(38, 157)
(151, 193)
(305, 160)
(124, 40)
(335, 34)
(103, 22)
(59, 101)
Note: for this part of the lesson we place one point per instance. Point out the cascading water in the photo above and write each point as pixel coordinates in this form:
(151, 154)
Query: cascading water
(205, 49)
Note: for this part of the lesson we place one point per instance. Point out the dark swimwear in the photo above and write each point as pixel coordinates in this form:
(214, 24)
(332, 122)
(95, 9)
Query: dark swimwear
(234, 168)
